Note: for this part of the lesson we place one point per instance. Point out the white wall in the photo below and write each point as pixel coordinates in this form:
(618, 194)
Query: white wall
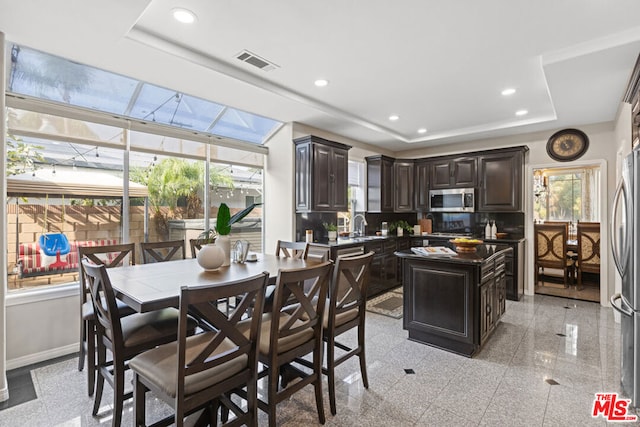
(42, 324)
(279, 192)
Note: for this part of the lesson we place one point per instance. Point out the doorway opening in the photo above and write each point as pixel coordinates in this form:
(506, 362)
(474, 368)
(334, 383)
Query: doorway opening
(567, 196)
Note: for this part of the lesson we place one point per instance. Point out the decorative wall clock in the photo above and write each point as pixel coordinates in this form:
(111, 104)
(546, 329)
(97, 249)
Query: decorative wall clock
(567, 145)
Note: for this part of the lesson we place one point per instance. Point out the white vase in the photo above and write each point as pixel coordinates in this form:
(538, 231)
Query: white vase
(333, 235)
(225, 243)
(210, 257)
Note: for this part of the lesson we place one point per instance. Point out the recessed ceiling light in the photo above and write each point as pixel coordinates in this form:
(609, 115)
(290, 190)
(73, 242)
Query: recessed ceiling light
(422, 130)
(508, 91)
(321, 82)
(522, 113)
(394, 117)
(183, 15)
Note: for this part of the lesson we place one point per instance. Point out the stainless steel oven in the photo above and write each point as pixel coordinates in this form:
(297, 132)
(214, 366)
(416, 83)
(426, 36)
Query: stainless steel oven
(452, 200)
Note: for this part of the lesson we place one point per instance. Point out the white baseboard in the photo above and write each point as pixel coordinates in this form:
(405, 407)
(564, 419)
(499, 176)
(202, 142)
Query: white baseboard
(30, 359)
(4, 394)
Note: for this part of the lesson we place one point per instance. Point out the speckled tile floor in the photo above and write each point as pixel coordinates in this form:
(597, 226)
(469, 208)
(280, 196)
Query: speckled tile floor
(575, 343)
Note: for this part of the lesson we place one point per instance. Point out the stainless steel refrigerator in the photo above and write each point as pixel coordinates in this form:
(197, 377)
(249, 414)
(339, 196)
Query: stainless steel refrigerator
(625, 245)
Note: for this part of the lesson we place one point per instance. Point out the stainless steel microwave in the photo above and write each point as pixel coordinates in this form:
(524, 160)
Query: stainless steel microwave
(452, 200)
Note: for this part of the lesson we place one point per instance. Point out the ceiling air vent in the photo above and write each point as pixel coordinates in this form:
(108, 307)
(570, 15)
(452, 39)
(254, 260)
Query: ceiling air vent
(256, 61)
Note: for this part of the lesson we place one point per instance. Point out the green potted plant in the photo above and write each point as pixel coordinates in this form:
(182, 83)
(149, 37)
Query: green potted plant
(224, 222)
(332, 230)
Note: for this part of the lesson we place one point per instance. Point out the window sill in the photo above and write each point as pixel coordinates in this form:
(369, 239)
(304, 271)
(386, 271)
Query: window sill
(28, 296)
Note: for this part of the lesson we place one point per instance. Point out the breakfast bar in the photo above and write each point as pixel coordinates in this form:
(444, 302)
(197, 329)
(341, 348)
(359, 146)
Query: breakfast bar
(454, 300)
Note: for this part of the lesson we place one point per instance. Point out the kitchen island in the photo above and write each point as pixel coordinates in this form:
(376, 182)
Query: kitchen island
(454, 302)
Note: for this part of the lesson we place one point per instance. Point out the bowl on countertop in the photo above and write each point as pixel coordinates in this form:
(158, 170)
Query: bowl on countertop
(502, 235)
(466, 245)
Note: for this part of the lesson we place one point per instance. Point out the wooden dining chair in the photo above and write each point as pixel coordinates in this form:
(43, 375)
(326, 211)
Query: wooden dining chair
(162, 251)
(123, 337)
(346, 310)
(588, 249)
(550, 246)
(204, 369)
(296, 250)
(197, 244)
(110, 256)
(291, 330)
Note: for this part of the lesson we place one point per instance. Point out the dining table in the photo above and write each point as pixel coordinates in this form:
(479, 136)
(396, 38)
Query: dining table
(148, 287)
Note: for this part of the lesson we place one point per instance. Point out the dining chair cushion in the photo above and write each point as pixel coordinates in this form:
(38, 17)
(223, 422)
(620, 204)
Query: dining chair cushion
(89, 314)
(142, 328)
(285, 343)
(159, 365)
(341, 318)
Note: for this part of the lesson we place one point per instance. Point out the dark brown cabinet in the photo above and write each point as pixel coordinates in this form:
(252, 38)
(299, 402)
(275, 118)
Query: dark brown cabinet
(421, 173)
(453, 173)
(500, 181)
(321, 175)
(492, 295)
(403, 182)
(380, 184)
(384, 274)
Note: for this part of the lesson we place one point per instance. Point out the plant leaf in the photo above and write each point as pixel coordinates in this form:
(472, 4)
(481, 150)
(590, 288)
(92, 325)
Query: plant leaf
(238, 216)
(223, 222)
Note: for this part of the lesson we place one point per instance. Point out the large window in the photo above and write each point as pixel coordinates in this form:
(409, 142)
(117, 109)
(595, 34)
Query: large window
(68, 176)
(103, 158)
(565, 194)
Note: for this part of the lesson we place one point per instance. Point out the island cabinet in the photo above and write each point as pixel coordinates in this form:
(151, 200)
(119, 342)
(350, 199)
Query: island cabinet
(454, 302)
(500, 176)
(457, 172)
(321, 175)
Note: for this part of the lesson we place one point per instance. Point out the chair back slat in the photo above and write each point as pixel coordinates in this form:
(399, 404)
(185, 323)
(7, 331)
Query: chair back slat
(550, 244)
(108, 255)
(104, 303)
(197, 244)
(297, 250)
(349, 283)
(304, 291)
(162, 251)
(225, 339)
(589, 246)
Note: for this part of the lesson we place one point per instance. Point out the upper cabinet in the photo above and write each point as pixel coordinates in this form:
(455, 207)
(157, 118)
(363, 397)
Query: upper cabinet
(455, 172)
(500, 181)
(389, 184)
(380, 184)
(403, 182)
(421, 171)
(321, 175)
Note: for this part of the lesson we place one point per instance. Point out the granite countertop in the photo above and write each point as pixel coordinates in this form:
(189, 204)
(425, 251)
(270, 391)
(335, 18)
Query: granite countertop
(481, 237)
(351, 241)
(483, 252)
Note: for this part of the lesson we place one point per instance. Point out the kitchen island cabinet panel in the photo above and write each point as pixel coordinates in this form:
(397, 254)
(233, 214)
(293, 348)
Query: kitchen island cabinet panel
(452, 287)
(454, 302)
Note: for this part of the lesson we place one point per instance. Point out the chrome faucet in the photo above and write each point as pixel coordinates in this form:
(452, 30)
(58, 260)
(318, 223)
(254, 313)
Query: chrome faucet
(362, 224)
